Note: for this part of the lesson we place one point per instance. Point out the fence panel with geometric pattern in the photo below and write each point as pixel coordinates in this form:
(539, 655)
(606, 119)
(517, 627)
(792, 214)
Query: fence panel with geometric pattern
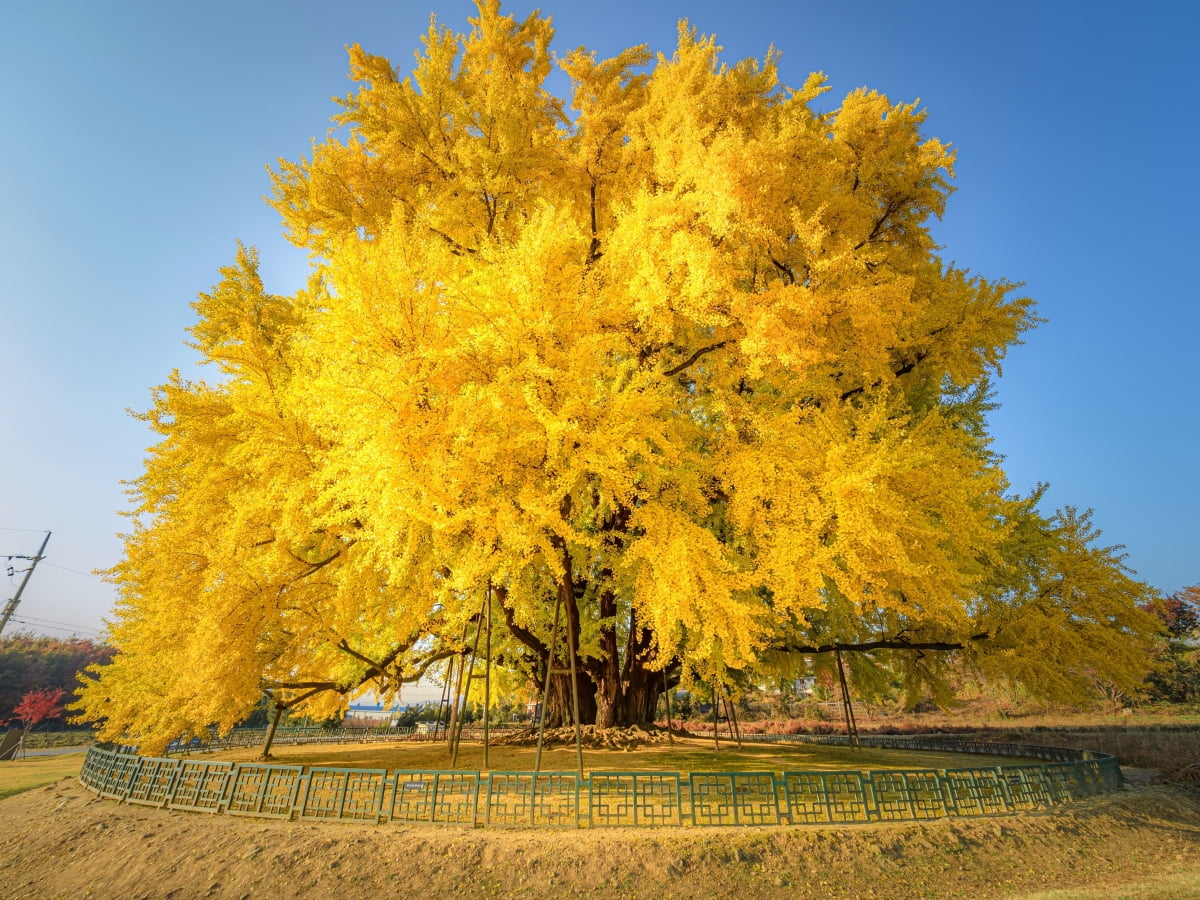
(1028, 786)
(351, 795)
(201, 786)
(903, 796)
(446, 798)
(976, 792)
(634, 798)
(826, 798)
(95, 768)
(532, 798)
(734, 798)
(263, 790)
(119, 776)
(153, 782)
(1096, 778)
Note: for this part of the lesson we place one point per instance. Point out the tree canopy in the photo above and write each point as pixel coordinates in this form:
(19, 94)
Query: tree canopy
(677, 352)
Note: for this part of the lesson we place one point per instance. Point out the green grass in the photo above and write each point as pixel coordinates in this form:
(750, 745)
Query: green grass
(26, 774)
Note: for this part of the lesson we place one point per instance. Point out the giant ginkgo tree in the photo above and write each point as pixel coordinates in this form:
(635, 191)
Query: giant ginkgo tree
(677, 357)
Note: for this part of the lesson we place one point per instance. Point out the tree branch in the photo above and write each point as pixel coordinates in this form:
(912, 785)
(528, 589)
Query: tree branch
(903, 370)
(455, 247)
(524, 635)
(424, 665)
(313, 567)
(346, 648)
(671, 373)
(298, 685)
(896, 643)
(593, 254)
(295, 701)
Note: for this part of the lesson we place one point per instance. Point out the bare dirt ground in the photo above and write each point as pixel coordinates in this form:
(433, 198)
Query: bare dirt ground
(62, 841)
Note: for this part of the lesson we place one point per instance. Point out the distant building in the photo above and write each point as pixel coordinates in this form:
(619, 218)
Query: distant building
(374, 714)
(805, 687)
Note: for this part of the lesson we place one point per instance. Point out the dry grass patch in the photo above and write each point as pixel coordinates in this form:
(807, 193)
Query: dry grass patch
(1176, 754)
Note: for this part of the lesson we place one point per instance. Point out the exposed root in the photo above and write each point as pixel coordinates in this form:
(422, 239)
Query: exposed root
(591, 737)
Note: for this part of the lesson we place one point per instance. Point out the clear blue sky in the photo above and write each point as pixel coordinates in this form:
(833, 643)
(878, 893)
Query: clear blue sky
(132, 155)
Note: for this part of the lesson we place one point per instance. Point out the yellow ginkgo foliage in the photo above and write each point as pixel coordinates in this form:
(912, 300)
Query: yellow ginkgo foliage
(676, 354)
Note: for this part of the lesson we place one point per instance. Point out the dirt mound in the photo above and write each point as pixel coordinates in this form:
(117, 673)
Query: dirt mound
(63, 841)
(591, 737)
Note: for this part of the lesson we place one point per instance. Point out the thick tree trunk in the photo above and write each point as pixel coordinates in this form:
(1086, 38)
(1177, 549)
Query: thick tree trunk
(640, 697)
(615, 689)
(606, 701)
(605, 671)
(633, 703)
(558, 701)
(626, 691)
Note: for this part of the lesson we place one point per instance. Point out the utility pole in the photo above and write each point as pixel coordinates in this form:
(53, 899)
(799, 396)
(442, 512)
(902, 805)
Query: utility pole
(11, 606)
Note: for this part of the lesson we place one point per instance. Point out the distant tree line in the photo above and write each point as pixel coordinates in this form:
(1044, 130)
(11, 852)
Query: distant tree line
(36, 663)
(1176, 679)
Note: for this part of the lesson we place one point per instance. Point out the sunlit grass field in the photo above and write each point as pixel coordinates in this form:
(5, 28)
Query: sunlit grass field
(685, 755)
(25, 774)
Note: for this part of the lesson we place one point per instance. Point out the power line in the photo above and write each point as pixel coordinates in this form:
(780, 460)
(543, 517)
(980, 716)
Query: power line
(35, 619)
(65, 569)
(70, 629)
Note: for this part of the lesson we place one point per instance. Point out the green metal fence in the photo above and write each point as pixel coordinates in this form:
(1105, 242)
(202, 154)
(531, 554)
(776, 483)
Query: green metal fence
(608, 799)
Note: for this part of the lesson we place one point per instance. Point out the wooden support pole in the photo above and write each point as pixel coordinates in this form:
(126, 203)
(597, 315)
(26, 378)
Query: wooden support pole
(847, 704)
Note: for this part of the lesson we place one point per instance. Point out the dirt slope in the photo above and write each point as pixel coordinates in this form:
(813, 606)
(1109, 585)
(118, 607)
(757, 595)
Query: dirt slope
(62, 841)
